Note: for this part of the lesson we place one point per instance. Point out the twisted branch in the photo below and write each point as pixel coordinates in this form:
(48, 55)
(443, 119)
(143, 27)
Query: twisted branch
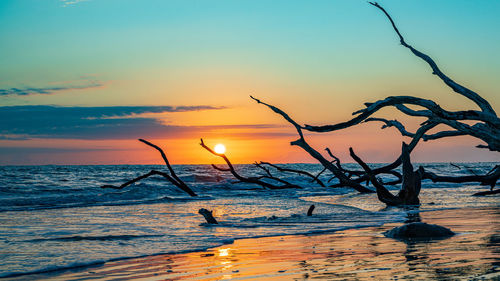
(173, 178)
(283, 169)
(301, 142)
(476, 98)
(252, 180)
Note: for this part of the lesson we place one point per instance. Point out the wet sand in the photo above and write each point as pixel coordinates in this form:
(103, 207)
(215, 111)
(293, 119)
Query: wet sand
(355, 254)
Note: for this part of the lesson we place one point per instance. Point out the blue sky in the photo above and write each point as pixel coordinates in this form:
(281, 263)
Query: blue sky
(318, 59)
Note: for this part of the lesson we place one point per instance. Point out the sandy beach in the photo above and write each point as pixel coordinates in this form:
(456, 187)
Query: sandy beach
(354, 254)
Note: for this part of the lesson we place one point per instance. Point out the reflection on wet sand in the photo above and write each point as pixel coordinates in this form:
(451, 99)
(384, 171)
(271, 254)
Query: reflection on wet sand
(357, 254)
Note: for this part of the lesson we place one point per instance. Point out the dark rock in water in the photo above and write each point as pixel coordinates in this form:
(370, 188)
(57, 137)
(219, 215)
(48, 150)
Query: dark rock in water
(419, 230)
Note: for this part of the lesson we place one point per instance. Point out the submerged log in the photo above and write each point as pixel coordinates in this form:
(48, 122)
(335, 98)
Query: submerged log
(488, 192)
(310, 211)
(208, 216)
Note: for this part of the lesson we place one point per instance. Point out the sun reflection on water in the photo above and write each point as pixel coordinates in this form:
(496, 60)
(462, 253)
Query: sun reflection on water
(224, 252)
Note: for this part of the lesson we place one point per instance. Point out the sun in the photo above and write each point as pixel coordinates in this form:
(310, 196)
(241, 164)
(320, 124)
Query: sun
(219, 148)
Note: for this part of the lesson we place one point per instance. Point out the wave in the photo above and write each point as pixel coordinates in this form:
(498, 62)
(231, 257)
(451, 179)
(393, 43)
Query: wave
(167, 219)
(26, 204)
(92, 238)
(220, 242)
(100, 262)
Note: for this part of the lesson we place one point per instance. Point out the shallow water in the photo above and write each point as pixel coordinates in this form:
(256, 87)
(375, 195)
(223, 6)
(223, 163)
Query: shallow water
(57, 217)
(354, 254)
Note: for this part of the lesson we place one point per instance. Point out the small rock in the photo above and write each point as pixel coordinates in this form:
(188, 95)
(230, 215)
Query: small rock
(419, 230)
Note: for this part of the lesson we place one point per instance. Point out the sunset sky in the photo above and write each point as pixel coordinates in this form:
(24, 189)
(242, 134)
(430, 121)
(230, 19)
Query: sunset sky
(81, 81)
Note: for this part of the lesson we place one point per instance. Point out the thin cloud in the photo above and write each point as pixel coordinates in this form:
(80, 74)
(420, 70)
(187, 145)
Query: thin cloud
(71, 2)
(13, 137)
(92, 123)
(49, 90)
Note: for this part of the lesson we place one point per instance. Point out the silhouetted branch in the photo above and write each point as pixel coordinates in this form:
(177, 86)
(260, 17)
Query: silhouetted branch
(401, 128)
(489, 192)
(263, 168)
(362, 176)
(172, 172)
(410, 189)
(270, 175)
(490, 178)
(252, 180)
(335, 158)
(467, 168)
(481, 102)
(315, 154)
(382, 193)
(283, 169)
(487, 129)
(151, 173)
(316, 177)
(172, 177)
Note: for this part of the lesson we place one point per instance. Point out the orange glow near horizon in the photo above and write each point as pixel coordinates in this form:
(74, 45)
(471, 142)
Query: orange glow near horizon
(246, 146)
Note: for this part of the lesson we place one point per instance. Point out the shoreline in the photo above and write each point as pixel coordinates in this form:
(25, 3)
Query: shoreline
(363, 253)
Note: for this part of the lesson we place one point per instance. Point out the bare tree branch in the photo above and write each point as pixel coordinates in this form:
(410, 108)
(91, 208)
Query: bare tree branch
(173, 178)
(382, 193)
(434, 110)
(151, 173)
(282, 169)
(172, 172)
(489, 192)
(401, 128)
(487, 129)
(316, 177)
(315, 154)
(489, 179)
(481, 102)
(410, 189)
(270, 175)
(252, 180)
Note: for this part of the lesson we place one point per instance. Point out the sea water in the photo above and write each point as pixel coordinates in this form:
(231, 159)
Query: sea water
(57, 217)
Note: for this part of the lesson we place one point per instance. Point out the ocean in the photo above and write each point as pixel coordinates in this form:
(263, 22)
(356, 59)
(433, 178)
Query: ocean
(54, 218)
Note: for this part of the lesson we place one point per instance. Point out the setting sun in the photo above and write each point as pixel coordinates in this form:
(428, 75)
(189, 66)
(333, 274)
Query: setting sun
(219, 148)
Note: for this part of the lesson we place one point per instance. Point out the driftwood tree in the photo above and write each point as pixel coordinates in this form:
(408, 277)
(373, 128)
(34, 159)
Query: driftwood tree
(482, 124)
(171, 176)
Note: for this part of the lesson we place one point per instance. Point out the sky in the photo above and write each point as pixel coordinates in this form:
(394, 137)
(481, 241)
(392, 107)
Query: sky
(82, 80)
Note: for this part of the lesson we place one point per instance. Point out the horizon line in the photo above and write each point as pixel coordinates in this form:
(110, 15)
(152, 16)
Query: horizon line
(208, 164)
